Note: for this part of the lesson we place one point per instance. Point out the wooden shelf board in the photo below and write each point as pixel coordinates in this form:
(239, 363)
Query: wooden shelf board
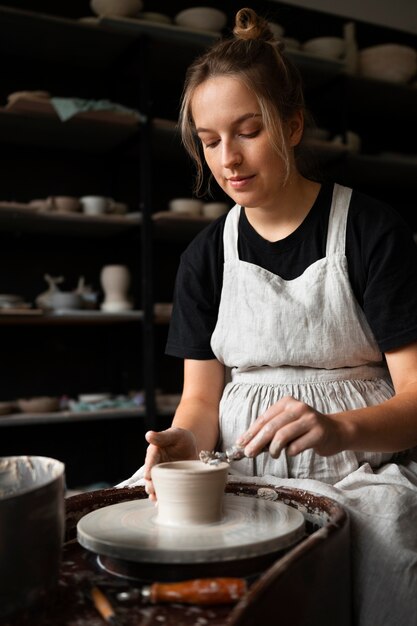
(80, 133)
(52, 38)
(23, 419)
(81, 318)
(22, 217)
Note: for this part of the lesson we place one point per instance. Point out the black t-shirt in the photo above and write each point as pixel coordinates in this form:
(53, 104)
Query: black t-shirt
(382, 265)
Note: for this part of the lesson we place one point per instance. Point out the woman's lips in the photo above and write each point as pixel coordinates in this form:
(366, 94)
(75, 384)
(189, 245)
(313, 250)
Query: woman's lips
(239, 182)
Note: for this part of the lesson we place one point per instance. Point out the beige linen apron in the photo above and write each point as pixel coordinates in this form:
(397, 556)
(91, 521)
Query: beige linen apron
(309, 338)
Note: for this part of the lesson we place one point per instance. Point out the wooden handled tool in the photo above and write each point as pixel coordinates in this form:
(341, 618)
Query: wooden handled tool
(197, 591)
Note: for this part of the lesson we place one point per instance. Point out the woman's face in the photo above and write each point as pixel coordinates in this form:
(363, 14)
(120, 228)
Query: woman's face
(235, 143)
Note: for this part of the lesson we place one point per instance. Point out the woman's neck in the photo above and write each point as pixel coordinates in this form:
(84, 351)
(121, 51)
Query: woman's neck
(291, 208)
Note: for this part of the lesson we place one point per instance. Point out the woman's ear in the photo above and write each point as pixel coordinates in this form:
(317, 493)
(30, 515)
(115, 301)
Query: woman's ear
(295, 128)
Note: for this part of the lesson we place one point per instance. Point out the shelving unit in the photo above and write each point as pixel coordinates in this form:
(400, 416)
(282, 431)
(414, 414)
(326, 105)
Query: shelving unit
(140, 162)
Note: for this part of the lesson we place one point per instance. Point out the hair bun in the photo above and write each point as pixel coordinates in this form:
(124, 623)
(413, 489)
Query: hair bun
(249, 25)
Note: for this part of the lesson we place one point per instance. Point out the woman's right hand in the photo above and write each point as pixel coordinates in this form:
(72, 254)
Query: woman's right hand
(173, 444)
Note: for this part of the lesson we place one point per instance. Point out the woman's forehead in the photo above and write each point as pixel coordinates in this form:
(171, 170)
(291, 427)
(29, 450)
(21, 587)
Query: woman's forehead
(220, 97)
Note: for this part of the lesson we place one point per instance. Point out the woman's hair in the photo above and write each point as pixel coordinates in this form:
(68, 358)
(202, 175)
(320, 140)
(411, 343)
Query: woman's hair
(255, 57)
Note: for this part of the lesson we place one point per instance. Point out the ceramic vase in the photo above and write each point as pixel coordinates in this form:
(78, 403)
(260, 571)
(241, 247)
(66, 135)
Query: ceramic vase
(115, 281)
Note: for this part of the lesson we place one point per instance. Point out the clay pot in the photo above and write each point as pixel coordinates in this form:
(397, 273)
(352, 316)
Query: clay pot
(189, 493)
(32, 513)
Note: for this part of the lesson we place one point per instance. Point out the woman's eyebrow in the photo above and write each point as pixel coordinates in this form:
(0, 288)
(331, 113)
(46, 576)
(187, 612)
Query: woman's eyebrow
(239, 120)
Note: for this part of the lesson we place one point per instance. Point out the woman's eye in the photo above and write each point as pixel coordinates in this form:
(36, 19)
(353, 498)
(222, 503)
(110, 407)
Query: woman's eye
(211, 144)
(255, 133)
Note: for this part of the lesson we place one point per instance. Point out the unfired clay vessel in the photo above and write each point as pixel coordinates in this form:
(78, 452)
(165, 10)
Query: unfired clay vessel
(115, 280)
(189, 493)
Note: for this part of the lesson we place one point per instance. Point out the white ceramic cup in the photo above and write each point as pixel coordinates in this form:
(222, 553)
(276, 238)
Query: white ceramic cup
(95, 205)
(189, 493)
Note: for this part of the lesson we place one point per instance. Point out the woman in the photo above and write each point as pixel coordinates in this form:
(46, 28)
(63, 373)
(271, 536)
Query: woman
(301, 295)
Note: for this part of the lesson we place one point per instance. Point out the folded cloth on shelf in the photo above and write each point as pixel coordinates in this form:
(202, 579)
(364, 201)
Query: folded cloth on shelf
(68, 107)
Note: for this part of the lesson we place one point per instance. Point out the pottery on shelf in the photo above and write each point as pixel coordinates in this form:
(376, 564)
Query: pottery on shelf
(64, 204)
(190, 206)
(120, 8)
(214, 209)
(328, 47)
(41, 404)
(65, 300)
(115, 281)
(189, 493)
(95, 205)
(201, 18)
(391, 62)
(42, 300)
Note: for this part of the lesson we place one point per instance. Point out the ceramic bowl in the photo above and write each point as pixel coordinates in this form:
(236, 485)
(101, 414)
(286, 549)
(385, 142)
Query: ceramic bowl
(215, 209)
(93, 398)
(120, 8)
(201, 18)
(329, 47)
(9, 300)
(40, 204)
(63, 300)
(64, 204)
(391, 62)
(191, 206)
(41, 404)
(28, 95)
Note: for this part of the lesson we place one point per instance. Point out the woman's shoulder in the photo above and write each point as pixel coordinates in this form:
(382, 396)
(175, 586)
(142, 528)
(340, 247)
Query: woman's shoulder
(373, 212)
(207, 243)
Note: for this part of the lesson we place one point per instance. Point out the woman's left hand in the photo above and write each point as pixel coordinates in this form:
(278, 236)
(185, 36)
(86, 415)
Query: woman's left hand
(293, 425)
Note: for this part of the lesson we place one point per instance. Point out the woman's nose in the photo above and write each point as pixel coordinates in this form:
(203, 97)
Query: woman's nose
(231, 155)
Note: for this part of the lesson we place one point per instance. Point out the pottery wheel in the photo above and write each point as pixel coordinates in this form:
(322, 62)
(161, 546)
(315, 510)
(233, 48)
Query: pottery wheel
(249, 527)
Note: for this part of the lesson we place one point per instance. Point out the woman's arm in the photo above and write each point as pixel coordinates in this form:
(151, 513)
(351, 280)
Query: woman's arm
(387, 427)
(198, 410)
(195, 425)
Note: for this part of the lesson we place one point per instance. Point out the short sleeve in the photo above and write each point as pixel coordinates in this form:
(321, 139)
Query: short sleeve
(197, 295)
(389, 265)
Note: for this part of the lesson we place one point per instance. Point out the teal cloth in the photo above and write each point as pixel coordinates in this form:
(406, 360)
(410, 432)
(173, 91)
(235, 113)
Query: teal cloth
(68, 107)
(116, 403)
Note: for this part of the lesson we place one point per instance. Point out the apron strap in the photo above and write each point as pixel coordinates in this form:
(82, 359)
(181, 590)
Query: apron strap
(336, 234)
(230, 234)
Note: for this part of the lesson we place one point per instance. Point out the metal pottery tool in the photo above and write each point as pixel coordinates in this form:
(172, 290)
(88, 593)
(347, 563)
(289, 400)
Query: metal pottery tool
(234, 453)
(198, 591)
